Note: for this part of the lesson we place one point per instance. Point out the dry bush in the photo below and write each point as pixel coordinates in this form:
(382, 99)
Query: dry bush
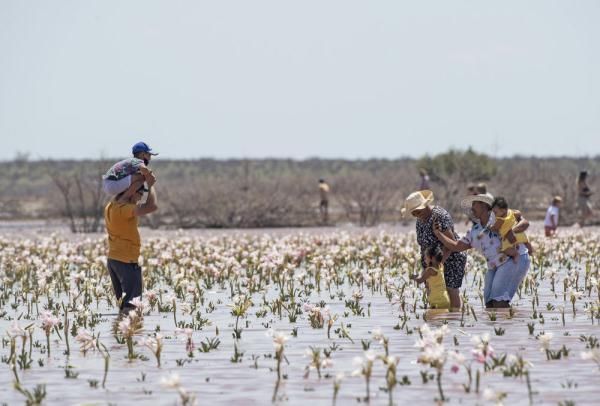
(530, 184)
(82, 195)
(451, 172)
(219, 202)
(367, 197)
(275, 193)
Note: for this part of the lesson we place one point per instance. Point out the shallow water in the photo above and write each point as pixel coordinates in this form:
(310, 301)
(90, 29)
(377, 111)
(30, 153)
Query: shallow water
(214, 379)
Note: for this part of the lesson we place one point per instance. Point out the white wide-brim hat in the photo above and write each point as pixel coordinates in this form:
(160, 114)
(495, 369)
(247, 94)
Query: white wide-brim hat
(467, 202)
(416, 201)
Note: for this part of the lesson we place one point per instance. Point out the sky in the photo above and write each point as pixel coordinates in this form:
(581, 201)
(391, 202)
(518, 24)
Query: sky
(330, 79)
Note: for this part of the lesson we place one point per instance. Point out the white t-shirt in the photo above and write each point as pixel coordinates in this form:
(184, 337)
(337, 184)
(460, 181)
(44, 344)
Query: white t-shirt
(552, 211)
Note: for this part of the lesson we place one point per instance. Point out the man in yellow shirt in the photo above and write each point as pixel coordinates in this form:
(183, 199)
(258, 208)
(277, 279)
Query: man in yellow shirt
(121, 219)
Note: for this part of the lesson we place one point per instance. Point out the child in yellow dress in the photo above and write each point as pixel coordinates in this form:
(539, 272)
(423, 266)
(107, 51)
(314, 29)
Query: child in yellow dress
(505, 221)
(433, 276)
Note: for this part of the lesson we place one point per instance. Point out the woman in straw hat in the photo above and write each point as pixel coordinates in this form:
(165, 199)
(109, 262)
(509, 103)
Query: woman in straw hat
(419, 205)
(503, 276)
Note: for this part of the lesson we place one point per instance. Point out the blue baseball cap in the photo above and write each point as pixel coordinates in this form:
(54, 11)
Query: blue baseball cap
(142, 147)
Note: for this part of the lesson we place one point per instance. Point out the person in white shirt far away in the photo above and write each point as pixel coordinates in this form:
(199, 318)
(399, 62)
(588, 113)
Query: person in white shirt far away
(551, 220)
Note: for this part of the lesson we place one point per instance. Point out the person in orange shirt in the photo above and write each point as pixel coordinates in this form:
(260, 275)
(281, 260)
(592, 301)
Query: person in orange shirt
(121, 219)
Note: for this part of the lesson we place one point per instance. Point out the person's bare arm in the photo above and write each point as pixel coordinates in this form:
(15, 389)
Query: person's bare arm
(446, 252)
(150, 178)
(449, 243)
(148, 175)
(522, 223)
(497, 225)
(510, 236)
(426, 274)
(149, 207)
(131, 190)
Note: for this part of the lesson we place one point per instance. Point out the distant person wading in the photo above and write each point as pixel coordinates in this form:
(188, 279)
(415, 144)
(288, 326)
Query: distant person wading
(551, 219)
(324, 202)
(424, 182)
(584, 206)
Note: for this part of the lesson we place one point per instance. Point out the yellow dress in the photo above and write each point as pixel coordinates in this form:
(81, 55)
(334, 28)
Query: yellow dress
(508, 223)
(438, 296)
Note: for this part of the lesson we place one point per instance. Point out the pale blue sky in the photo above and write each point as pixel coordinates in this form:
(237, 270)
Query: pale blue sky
(351, 79)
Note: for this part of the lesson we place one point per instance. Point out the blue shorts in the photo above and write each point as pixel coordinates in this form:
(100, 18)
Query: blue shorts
(501, 283)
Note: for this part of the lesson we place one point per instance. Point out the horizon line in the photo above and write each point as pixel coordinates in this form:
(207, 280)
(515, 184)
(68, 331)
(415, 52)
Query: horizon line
(309, 158)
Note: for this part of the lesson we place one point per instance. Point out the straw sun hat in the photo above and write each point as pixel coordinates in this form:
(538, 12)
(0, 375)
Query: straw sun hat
(417, 201)
(468, 201)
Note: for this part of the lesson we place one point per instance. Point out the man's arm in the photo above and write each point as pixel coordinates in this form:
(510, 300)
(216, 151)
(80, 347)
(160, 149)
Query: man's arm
(148, 175)
(149, 207)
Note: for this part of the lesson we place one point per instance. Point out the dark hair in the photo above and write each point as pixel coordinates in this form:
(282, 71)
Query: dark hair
(582, 176)
(435, 251)
(500, 202)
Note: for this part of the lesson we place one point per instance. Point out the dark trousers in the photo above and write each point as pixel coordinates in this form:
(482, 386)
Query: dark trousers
(126, 278)
(323, 207)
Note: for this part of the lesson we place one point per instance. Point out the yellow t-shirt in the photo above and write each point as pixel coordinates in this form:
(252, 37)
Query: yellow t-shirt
(123, 235)
(508, 223)
(438, 295)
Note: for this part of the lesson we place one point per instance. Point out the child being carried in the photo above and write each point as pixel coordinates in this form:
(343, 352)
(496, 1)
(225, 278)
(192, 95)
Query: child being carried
(130, 174)
(433, 276)
(505, 221)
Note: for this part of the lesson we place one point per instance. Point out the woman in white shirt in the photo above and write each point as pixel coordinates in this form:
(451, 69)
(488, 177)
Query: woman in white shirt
(551, 220)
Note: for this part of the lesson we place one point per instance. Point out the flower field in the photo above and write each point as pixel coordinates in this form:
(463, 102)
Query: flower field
(326, 317)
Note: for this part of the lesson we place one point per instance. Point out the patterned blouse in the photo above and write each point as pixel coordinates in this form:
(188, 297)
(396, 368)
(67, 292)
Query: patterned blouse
(454, 267)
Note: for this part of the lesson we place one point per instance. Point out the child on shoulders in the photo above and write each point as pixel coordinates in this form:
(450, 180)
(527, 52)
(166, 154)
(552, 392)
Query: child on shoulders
(130, 174)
